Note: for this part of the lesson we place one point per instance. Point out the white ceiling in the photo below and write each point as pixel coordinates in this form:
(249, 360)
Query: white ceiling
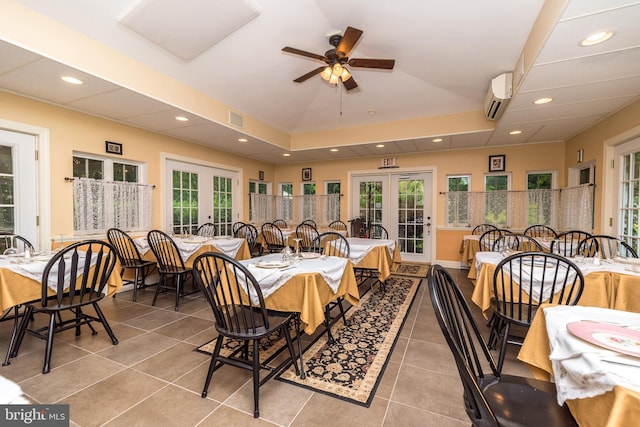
(446, 55)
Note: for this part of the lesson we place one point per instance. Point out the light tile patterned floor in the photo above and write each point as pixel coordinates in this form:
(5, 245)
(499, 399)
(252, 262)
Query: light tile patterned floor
(153, 376)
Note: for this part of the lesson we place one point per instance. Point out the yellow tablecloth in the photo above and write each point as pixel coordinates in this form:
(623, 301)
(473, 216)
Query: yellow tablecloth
(619, 407)
(380, 259)
(17, 289)
(601, 289)
(468, 248)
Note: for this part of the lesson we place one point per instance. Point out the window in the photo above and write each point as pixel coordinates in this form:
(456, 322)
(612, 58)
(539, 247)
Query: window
(100, 203)
(496, 199)
(7, 181)
(223, 204)
(332, 187)
(540, 204)
(458, 200)
(332, 209)
(185, 202)
(629, 199)
(285, 210)
(309, 200)
(256, 187)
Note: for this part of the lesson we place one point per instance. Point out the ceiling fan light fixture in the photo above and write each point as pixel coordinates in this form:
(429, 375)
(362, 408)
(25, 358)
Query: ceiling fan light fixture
(326, 73)
(346, 75)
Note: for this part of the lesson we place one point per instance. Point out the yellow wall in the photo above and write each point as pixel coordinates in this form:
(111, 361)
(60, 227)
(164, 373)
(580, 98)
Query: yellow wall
(592, 142)
(70, 130)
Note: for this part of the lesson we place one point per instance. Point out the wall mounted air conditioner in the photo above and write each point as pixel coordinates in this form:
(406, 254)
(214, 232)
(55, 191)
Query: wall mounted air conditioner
(498, 97)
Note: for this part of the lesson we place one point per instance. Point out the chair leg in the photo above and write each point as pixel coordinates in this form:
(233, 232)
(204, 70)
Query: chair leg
(104, 322)
(160, 284)
(327, 323)
(135, 283)
(297, 325)
(287, 336)
(256, 377)
(212, 365)
(14, 335)
(178, 287)
(49, 348)
(26, 316)
(503, 348)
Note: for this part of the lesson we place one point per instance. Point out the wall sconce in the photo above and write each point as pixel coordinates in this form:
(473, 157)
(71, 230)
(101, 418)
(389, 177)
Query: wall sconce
(580, 155)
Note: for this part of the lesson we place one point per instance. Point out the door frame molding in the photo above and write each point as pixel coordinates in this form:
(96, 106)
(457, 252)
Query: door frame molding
(387, 172)
(164, 157)
(43, 169)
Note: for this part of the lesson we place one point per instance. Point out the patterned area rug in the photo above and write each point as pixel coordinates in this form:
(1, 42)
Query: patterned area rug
(352, 368)
(413, 269)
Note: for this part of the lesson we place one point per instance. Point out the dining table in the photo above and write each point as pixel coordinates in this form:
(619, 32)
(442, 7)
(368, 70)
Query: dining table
(592, 354)
(468, 247)
(377, 254)
(608, 283)
(304, 285)
(192, 246)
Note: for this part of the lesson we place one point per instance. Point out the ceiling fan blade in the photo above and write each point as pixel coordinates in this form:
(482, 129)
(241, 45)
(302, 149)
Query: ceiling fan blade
(309, 75)
(304, 53)
(349, 40)
(386, 64)
(350, 83)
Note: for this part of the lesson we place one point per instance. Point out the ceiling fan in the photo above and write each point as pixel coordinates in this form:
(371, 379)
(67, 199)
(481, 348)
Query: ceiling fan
(338, 58)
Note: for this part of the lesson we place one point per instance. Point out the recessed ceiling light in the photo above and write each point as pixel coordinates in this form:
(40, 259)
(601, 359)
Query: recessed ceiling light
(334, 150)
(242, 140)
(380, 146)
(541, 101)
(515, 132)
(286, 155)
(182, 119)
(71, 80)
(596, 38)
(372, 112)
(436, 140)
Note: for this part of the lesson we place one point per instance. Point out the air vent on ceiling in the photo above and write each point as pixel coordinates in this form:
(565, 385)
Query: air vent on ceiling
(235, 119)
(499, 95)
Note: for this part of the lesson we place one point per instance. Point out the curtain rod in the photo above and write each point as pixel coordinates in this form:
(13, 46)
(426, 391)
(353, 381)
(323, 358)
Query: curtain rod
(517, 191)
(66, 178)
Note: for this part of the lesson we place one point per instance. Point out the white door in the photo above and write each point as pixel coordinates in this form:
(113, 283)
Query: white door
(402, 203)
(197, 194)
(18, 190)
(411, 215)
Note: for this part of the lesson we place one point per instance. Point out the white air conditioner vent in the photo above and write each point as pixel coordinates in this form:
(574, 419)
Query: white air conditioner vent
(499, 95)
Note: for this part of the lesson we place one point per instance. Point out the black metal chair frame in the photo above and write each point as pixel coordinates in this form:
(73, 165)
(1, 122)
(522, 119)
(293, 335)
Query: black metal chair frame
(85, 286)
(513, 305)
(171, 267)
(338, 226)
(130, 259)
(241, 318)
(491, 399)
(207, 229)
(488, 238)
(310, 222)
(377, 231)
(250, 233)
(280, 223)
(236, 225)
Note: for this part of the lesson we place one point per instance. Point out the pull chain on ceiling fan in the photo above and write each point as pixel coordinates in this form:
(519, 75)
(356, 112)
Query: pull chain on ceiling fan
(338, 58)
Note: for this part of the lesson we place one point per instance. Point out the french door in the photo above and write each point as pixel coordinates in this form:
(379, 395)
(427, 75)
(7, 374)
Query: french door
(402, 203)
(18, 190)
(198, 194)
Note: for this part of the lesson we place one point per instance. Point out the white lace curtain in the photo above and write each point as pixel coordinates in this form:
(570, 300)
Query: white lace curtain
(99, 205)
(323, 209)
(565, 209)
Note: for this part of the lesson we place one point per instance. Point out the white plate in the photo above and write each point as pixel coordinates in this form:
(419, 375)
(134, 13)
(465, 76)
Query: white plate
(272, 264)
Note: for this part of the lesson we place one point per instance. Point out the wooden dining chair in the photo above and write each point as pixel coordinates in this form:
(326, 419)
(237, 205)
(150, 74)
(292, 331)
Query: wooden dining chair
(377, 231)
(250, 234)
(280, 223)
(480, 229)
(236, 226)
(523, 281)
(566, 244)
(306, 233)
(207, 229)
(338, 225)
(76, 277)
(310, 222)
(174, 274)
(332, 243)
(540, 230)
(273, 237)
(226, 283)
(489, 237)
(606, 247)
(130, 259)
(491, 399)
